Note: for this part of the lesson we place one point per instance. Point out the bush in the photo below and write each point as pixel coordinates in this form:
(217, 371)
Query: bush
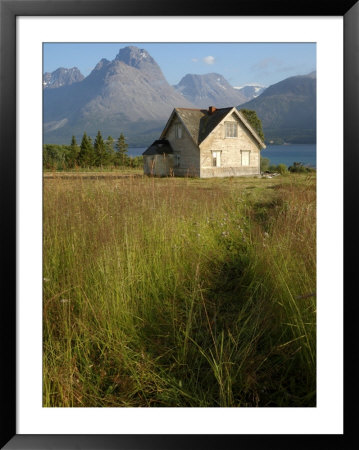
(264, 164)
(282, 169)
(298, 167)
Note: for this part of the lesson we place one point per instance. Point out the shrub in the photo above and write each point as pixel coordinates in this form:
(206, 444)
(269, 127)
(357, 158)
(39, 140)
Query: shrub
(298, 167)
(264, 164)
(282, 169)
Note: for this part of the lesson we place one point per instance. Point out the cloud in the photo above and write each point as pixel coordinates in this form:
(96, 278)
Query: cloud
(194, 60)
(208, 59)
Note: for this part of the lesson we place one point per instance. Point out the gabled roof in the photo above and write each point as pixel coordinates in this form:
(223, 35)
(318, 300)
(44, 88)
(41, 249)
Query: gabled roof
(159, 147)
(200, 122)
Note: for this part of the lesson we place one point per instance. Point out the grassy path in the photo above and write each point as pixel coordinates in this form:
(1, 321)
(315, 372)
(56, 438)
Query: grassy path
(179, 292)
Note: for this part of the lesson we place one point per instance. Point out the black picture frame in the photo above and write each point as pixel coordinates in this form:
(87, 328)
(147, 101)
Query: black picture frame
(9, 10)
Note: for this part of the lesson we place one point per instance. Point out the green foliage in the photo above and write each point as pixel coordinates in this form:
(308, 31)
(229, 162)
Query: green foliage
(101, 155)
(110, 149)
(298, 167)
(121, 151)
(135, 162)
(254, 121)
(265, 162)
(55, 156)
(282, 169)
(72, 156)
(86, 156)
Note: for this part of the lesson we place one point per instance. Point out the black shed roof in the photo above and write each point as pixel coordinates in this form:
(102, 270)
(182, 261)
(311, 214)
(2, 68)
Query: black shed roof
(159, 147)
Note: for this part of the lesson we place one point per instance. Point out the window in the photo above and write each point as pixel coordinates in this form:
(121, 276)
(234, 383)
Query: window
(230, 129)
(245, 155)
(177, 160)
(179, 132)
(216, 159)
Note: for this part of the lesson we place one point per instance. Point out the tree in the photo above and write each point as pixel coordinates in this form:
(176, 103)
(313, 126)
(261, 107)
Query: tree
(110, 149)
(86, 154)
(101, 157)
(254, 121)
(54, 156)
(72, 154)
(121, 150)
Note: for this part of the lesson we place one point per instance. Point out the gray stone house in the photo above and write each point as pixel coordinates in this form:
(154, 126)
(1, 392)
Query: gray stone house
(205, 143)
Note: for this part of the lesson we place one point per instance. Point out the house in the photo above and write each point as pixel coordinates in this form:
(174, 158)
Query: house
(205, 143)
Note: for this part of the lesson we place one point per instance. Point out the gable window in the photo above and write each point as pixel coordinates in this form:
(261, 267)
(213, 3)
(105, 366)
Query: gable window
(179, 131)
(231, 129)
(245, 157)
(216, 159)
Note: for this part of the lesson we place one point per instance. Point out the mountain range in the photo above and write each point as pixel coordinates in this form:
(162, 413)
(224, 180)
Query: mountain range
(288, 110)
(209, 89)
(131, 95)
(61, 77)
(250, 91)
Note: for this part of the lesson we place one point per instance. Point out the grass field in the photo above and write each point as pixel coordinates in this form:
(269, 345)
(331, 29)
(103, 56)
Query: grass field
(179, 292)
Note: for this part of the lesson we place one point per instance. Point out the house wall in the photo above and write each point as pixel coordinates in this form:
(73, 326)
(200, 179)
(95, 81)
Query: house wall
(230, 152)
(158, 165)
(186, 149)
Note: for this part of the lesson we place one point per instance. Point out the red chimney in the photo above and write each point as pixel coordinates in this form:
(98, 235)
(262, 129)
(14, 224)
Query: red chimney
(211, 109)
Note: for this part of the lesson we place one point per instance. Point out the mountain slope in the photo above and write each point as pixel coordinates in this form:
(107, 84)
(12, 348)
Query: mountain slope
(129, 94)
(61, 77)
(288, 110)
(211, 89)
(250, 91)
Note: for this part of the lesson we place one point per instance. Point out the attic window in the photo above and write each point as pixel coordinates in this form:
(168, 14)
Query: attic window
(179, 131)
(230, 129)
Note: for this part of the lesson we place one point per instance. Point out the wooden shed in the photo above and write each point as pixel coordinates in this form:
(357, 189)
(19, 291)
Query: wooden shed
(158, 159)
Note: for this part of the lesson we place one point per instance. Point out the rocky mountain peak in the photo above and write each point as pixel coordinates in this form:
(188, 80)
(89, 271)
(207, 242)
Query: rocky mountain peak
(61, 77)
(209, 89)
(102, 63)
(135, 57)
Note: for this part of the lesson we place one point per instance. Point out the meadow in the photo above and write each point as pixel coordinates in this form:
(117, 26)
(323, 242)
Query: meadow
(179, 292)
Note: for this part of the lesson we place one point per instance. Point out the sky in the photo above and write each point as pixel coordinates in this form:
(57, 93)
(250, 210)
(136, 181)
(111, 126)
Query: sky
(240, 63)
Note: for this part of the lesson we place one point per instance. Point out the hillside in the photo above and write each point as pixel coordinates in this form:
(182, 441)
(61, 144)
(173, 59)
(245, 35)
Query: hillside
(61, 77)
(209, 89)
(288, 110)
(250, 91)
(128, 94)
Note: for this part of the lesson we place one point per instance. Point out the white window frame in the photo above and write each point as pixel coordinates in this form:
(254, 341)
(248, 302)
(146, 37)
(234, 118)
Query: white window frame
(216, 156)
(229, 125)
(179, 131)
(249, 157)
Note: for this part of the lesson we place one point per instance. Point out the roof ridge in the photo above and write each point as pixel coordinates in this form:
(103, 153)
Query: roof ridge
(193, 109)
(205, 109)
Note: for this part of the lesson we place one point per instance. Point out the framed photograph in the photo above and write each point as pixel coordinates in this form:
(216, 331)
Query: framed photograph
(164, 289)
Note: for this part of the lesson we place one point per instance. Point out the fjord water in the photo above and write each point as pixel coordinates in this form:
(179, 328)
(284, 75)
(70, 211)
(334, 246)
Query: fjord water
(277, 154)
(289, 153)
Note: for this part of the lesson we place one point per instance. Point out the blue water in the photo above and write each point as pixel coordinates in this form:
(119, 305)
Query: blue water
(290, 153)
(277, 154)
(136, 151)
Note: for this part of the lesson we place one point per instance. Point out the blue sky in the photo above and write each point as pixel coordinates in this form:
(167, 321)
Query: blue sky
(239, 63)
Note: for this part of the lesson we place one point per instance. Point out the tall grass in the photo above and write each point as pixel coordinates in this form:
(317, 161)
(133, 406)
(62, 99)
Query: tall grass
(179, 292)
